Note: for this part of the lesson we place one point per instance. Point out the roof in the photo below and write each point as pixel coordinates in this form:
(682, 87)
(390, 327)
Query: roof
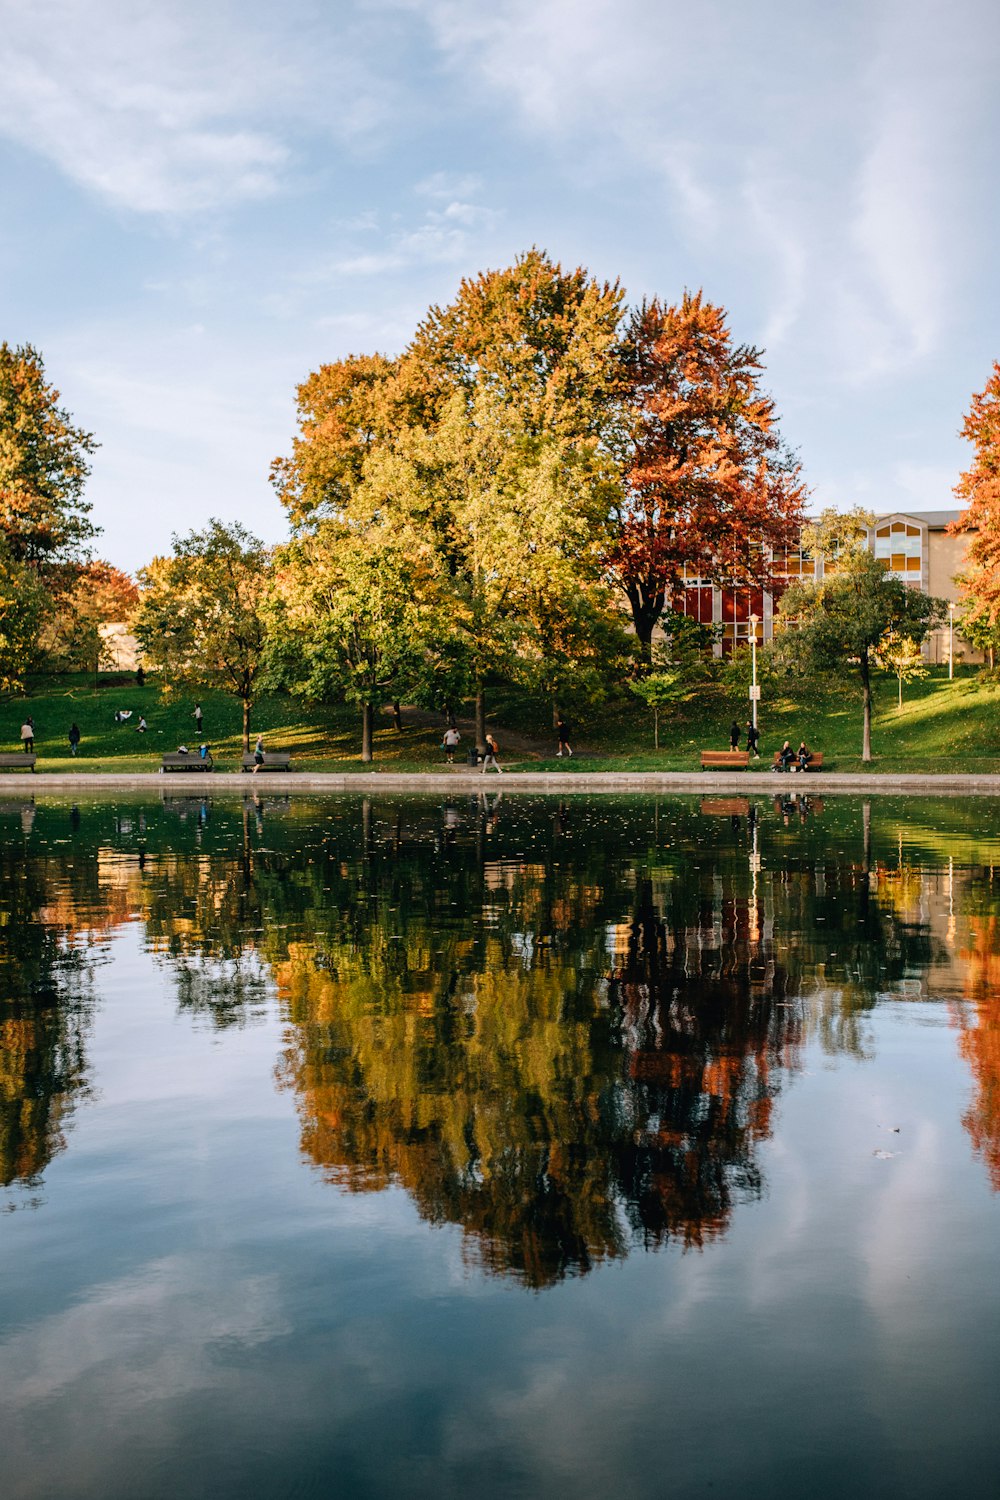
(935, 519)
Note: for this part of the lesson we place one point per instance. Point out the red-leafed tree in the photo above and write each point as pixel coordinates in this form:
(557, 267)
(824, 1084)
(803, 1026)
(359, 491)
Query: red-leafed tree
(708, 483)
(979, 488)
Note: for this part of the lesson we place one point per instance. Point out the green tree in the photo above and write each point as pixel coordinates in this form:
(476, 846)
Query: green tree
(24, 606)
(44, 464)
(352, 613)
(855, 610)
(201, 614)
(902, 656)
(659, 690)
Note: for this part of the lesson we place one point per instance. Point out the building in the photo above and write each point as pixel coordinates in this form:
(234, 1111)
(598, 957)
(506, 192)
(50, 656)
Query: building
(914, 545)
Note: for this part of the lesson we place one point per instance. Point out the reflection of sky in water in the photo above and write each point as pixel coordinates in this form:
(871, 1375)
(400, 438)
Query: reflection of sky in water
(288, 1090)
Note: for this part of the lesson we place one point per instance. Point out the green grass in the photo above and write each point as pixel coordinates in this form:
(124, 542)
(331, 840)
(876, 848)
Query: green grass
(942, 726)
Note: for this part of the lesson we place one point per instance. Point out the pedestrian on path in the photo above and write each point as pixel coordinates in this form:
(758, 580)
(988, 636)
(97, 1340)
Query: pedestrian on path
(258, 754)
(450, 743)
(74, 737)
(734, 735)
(492, 756)
(197, 718)
(28, 736)
(753, 739)
(562, 730)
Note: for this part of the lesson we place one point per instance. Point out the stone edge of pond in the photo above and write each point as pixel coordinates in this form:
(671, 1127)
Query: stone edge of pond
(561, 782)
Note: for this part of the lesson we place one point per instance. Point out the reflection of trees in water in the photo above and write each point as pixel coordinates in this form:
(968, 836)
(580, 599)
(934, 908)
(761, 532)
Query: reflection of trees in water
(980, 1041)
(563, 1029)
(45, 1005)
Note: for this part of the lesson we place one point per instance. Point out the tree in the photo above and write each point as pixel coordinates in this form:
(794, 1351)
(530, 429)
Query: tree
(201, 612)
(856, 610)
(903, 657)
(979, 489)
(24, 605)
(707, 485)
(484, 441)
(658, 690)
(100, 595)
(44, 464)
(352, 609)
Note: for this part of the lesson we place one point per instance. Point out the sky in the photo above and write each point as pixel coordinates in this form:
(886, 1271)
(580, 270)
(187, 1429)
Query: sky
(201, 201)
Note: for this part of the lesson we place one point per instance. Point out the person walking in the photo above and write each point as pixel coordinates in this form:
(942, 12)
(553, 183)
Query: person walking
(28, 736)
(452, 740)
(258, 754)
(753, 739)
(734, 735)
(74, 737)
(562, 730)
(492, 756)
(197, 718)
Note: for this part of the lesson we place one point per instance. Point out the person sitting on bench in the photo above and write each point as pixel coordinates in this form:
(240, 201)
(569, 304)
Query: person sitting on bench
(785, 756)
(803, 756)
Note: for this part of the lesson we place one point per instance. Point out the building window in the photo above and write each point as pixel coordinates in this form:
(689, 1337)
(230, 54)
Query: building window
(899, 548)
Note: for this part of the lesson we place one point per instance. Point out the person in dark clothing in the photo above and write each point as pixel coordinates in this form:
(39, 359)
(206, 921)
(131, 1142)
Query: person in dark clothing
(753, 739)
(734, 736)
(140, 678)
(562, 730)
(785, 756)
(803, 756)
(74, 738)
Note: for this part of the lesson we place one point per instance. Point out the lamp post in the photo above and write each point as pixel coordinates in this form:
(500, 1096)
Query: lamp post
(951, 640)
(753, 670)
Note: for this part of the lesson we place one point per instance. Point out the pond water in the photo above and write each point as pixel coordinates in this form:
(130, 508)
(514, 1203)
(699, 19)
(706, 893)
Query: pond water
(500, 1146)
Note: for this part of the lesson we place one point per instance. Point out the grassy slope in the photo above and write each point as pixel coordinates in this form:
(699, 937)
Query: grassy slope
(942, 726)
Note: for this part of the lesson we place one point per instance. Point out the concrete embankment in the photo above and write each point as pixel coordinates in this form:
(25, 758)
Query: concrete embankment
(562, 783)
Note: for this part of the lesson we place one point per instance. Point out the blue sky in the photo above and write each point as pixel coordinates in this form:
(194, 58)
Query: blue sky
(204, 200)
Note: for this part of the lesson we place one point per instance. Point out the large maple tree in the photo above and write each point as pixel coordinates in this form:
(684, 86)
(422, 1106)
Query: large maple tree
(979, 488)
(708, 486)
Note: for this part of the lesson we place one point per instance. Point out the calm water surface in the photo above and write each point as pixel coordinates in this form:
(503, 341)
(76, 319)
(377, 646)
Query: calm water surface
(499, 1147)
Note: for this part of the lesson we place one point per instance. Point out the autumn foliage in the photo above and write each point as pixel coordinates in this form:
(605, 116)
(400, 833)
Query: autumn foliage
(979, 490)
(707, 484)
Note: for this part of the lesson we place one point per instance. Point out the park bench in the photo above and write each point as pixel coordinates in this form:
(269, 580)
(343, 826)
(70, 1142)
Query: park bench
(16, 760)
(274, 760)
(815, 764)
(725, 760)
(174, 760)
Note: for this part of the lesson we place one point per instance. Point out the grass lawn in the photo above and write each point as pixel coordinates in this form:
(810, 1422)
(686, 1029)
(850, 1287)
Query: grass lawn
(942, 726)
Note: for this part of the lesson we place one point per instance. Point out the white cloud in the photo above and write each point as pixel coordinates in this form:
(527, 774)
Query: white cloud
(172, 109)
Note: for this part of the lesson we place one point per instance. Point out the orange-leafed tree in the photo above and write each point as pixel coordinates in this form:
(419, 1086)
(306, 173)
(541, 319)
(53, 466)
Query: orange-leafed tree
(979, 490)
(708, 484)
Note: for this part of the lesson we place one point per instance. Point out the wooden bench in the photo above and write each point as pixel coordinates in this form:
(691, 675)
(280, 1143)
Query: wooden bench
(274, 760)
(175, 761)
(725, 807)
(814, 764)
(16, 760)
(725, 760)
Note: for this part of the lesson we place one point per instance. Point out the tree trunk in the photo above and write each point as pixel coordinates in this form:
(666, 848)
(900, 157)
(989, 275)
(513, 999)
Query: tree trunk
(481, 719)
(866, 689)
(901, 692)
(449, 715)
(656, 728)
(367, 719)
(397, 718)
(247, 706)
(647, 607)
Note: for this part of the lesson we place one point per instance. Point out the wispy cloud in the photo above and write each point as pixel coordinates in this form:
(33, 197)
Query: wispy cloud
(171, 109)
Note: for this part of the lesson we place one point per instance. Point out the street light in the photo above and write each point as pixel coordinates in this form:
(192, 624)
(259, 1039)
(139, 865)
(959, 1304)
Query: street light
(951, 640)
(754, 692)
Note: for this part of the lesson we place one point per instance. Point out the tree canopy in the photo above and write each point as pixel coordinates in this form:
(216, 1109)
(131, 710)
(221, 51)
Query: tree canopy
(856, 611)
(44, 465)
(979, 489)
(201, 612)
